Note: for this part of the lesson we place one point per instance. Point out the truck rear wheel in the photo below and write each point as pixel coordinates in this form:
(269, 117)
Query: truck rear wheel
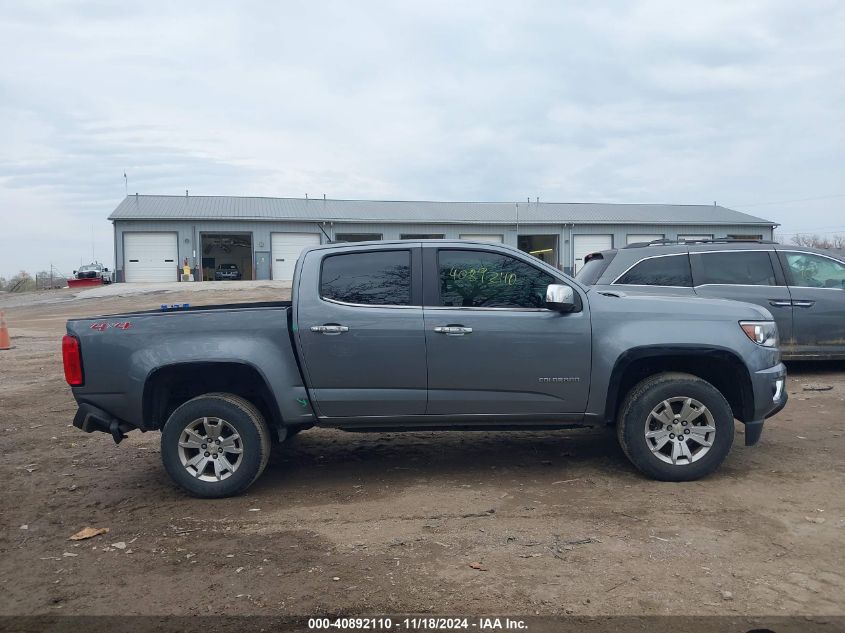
(675, 427)
(215, 445)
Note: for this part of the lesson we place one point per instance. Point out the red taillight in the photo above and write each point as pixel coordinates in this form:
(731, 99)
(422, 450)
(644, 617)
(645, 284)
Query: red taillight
(72, 360)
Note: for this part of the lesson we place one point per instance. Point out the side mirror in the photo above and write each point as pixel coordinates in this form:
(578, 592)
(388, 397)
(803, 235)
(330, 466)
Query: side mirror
(74, 272)
(560, 298)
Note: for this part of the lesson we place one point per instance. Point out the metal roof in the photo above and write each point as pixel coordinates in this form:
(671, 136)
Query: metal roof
(138, 207)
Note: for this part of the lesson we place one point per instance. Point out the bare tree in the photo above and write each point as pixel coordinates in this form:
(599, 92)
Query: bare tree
(22, 282)
(816, 241)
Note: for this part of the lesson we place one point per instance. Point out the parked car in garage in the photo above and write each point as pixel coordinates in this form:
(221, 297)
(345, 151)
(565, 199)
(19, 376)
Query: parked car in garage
(227, 272)
(804, 288)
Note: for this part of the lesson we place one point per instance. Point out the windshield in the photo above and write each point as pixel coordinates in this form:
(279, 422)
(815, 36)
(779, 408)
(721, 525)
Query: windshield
(228, 267)
(88, 267)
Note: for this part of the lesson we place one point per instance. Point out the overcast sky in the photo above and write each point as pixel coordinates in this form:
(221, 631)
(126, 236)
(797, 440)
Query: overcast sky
(738, 102)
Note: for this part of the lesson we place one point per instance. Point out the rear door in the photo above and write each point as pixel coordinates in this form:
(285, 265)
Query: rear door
(493, 347)
(360, 329)
(754, 276)
(817, 285)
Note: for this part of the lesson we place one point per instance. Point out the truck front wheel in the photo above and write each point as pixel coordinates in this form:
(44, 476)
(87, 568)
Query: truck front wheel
(215, 445)
(675, 427)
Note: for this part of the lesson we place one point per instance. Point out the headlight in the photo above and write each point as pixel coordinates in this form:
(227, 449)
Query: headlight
(763, 333)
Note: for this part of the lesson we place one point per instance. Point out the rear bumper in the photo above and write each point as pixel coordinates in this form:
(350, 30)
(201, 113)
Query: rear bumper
(770, 397)
(90, 418)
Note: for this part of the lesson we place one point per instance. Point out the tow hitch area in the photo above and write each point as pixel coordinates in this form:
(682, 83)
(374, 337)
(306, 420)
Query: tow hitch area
(89, 419)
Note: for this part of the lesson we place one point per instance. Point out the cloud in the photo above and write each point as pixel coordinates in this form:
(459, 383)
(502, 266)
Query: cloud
(652, 101)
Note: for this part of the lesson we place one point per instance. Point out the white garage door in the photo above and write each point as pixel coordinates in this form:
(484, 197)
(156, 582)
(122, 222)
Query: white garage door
(586, 244)
(482, 238)
(150, 257)
(286, 249)
(633, 238)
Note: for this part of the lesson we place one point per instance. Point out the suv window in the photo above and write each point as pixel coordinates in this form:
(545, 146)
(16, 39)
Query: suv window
(481, 279)
(814, 271)
(663, 270)
(747, 268)
(373, 278)
(594, 268)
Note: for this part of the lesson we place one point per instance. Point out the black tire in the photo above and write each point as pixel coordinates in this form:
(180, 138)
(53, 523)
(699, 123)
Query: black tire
(635, 416)
(241, 416)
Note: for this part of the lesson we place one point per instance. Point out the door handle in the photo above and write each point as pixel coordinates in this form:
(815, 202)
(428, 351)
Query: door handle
(780, 303)
(453, 330)
(803, 304)
(329, 329)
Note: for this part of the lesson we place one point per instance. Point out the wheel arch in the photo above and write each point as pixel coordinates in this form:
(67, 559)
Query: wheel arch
(169, 386)
(721, 367)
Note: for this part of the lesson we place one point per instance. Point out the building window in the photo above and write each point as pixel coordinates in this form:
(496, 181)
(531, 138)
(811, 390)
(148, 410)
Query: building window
(695, 238)
(357, 237)
(421, 236)
(638, 238)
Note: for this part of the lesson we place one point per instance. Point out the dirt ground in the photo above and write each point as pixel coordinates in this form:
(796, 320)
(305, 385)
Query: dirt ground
(458, 523)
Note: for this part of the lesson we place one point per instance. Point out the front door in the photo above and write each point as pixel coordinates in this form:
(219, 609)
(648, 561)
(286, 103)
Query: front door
(817, 285)
(361, 333)
(493, 348)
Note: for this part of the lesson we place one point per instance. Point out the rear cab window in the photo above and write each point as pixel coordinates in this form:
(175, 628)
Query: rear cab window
(371, 278)
(738, 268)
(661, 270)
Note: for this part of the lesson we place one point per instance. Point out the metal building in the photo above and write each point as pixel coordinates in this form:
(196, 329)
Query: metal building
(154, 235)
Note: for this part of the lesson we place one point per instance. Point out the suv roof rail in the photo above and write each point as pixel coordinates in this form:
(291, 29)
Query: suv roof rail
(718, 240)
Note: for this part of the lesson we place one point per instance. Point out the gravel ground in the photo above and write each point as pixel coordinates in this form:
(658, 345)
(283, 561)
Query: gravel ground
(461, 522)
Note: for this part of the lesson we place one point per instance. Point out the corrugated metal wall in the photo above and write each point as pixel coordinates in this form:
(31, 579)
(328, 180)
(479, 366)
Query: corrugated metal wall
(189, 232)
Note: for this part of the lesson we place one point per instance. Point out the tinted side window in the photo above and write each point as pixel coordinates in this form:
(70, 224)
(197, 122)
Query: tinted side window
(669, 270)
(813, 271)
(479, 279)
(592, 270)
(374, 278)
(746, 268)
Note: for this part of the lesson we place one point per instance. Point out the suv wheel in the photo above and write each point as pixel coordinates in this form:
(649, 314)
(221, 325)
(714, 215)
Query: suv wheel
(675, 427)
(215, 445)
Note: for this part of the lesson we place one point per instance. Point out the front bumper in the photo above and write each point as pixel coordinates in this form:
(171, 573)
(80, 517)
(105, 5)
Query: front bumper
(769, 388)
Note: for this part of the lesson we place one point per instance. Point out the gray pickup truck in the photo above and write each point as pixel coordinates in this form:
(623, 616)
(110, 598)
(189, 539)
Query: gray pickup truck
(427, 335)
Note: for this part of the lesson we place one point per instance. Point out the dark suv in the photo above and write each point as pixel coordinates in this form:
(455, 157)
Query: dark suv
(227, 272)
(803, 288)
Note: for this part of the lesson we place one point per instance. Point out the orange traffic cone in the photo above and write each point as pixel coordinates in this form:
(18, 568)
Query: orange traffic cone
(5, 342)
